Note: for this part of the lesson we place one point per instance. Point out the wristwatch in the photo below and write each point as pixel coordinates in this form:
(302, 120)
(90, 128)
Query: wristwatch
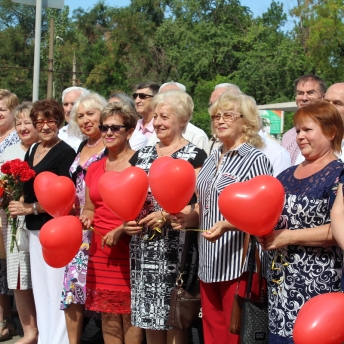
(35, 208)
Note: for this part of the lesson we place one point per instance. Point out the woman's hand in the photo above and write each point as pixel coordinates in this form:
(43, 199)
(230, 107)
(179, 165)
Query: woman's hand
(179, 221)
(132, 228)
(111, 238)
(155, 219)
(19, 208)
(85, 221)
(275, 239)
(216, 232)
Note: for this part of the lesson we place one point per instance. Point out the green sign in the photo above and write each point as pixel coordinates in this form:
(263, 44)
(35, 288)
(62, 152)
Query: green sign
(272, 121)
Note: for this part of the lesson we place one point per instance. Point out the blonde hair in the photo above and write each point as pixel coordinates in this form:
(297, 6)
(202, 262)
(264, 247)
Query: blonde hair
(90, 101)
(248, 109)
(180, 103)
(9, 98)
(21, 110)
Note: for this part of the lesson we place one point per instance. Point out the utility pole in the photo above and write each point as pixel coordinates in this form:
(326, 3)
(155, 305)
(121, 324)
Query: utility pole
(51, 60)
(74, 70)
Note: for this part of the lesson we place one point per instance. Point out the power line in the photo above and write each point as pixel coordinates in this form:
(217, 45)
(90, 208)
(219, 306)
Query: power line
(48, 70)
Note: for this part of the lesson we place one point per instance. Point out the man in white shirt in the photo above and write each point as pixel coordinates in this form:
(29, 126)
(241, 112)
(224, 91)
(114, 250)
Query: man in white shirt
(137, 140)
(69, 97)
(278, 156)
(335, 96)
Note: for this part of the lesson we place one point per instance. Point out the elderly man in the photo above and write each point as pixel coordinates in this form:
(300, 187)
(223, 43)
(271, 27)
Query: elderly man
(277, 155)
(307, 88)
(69, 97)
(192, 133)
(143, 98)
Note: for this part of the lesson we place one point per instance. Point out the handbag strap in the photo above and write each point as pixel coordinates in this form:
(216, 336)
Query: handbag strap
(254, 253)
(179, 281)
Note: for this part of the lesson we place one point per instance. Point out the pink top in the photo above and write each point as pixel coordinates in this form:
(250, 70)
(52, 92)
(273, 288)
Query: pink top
(148, 130)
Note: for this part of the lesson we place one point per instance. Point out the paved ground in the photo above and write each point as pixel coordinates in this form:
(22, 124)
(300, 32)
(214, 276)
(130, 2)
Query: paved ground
(91, 329)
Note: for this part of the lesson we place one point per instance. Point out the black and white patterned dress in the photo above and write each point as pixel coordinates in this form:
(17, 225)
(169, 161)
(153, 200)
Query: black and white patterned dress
(154, 263)
(303, 272)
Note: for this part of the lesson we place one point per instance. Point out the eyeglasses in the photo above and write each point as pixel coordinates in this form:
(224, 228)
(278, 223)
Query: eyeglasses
(114, 128)
(40, 124)
(227, 117)
(142, 95)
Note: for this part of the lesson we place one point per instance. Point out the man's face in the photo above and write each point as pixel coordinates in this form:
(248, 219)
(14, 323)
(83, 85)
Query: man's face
(143, 101)
(306, 92)
(68, 102)
(335, 95)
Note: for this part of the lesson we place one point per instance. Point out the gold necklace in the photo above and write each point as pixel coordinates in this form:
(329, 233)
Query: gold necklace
(116, 161)
(38, 156)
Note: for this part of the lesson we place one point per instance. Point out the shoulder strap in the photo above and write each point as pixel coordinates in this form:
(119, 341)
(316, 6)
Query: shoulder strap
(31, 147)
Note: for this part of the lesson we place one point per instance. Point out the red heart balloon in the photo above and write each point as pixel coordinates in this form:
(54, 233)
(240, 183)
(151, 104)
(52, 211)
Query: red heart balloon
(172, 182)
(253, 206)
(56, 194)
(61, 239)
(318, 321)
(124, 192)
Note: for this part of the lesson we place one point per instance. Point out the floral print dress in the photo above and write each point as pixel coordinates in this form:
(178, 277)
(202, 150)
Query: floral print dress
(297, 273)
(74, 280)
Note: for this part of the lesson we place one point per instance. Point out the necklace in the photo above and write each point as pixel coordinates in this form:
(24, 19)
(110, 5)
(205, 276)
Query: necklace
(7, 132)
(38, 156)
(118, 162)
(94, 145)
(168, 152)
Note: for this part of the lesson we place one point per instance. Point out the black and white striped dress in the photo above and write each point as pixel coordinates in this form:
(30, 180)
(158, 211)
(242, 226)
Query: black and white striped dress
(220, 261)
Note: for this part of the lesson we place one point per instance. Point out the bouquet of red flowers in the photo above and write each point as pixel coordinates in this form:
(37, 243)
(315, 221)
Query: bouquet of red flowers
(16, 173)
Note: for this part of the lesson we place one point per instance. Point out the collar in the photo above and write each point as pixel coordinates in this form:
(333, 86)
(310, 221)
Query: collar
(149, 127)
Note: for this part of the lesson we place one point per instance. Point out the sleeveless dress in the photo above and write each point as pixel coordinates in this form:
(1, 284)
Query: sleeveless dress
(154, 262)
(303, 271)
(74, 279)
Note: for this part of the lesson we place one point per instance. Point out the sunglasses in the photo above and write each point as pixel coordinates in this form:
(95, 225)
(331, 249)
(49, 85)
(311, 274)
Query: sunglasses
(114, 128)
(142, 95)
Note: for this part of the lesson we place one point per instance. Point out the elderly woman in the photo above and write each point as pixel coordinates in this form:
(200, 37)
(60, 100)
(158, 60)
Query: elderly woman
(235, 121)
(107, 281)
(55, 156)
(18, 262)
(304, 257)
(8, 137)
(153, 278)
(85, 117)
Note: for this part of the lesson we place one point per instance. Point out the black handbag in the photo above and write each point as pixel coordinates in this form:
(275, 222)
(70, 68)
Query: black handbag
(254, 314)
(185, 306)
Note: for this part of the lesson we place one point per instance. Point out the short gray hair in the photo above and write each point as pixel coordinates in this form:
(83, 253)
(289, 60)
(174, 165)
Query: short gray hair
(180, 87)
(180, 103)
(234, 88)
(83, 91)
(123, 97)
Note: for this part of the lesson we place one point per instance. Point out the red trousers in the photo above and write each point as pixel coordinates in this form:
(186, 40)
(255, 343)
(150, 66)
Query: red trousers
(217, 300)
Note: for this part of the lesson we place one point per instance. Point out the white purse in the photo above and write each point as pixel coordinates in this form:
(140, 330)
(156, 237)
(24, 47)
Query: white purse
(22, 236)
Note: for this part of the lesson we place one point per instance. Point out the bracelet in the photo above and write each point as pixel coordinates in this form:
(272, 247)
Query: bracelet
(35, 208)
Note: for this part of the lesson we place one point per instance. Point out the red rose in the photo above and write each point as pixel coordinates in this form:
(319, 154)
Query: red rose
(6, 168)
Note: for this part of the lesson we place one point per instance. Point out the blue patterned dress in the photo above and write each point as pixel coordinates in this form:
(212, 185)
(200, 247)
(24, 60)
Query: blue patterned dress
(302, 272)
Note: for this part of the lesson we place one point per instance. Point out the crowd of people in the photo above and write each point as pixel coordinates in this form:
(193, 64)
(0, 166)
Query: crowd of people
(124, 273)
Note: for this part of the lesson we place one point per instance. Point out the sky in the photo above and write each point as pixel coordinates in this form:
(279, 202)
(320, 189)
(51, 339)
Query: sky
(257, 6)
